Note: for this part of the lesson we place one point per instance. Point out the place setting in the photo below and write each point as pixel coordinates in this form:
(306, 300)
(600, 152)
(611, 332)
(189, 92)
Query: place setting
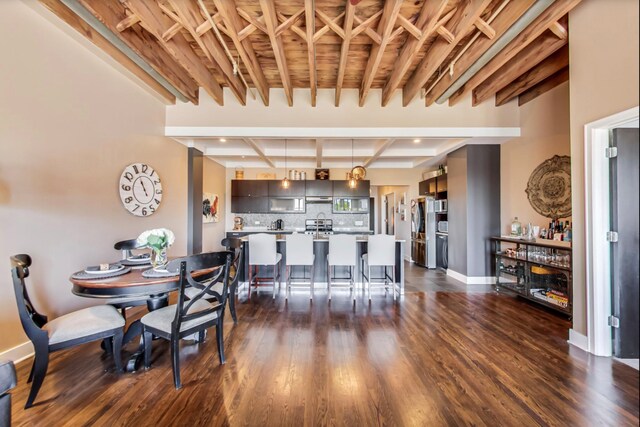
(101, 271)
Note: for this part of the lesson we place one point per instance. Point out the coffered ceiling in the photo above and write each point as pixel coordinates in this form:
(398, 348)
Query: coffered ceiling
(429, 50)
(329, 153)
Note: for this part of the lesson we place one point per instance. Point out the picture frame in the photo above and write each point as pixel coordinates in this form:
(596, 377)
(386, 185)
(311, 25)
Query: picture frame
(210, 208)
(322, 174)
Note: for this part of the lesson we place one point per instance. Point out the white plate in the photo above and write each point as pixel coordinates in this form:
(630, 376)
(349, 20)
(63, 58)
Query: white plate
(144, 258)
(95, 269)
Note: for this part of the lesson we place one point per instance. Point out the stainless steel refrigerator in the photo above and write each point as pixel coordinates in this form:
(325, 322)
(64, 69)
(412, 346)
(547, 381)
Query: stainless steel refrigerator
(423, 232)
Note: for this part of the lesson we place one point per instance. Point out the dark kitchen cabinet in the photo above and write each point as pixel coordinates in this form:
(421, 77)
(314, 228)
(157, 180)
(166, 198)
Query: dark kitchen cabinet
(441, 184)
(341, 189)
(319, 188)
(241, 204)
(296, 189)
(426, 187)
(249, 188)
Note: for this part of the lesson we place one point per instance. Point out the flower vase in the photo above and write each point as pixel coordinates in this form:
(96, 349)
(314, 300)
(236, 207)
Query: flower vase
(159, 259)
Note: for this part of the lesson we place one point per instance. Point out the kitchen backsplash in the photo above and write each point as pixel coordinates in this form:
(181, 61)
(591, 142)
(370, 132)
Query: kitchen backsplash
(297, 220)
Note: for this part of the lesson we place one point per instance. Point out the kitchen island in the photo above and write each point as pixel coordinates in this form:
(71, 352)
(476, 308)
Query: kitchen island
(321, 249)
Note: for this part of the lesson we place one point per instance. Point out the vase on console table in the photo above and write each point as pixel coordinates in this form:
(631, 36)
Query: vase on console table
(158, 240)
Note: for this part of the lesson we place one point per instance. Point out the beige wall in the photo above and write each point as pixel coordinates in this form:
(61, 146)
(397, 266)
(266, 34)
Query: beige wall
(544, 123)
(214, 182)
(603, 40)
(69, 124)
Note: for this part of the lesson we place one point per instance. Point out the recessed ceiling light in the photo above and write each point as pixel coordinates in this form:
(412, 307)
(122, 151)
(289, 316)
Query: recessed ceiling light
(243, 157)
(223, 140)
(416, 140)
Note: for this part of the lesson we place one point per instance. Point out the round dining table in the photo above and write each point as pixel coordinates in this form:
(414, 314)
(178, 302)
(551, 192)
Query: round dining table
(133, 289)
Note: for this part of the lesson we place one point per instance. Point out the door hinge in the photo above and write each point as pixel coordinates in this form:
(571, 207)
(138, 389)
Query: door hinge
(612, 236)
(611, 152)
(614, 322)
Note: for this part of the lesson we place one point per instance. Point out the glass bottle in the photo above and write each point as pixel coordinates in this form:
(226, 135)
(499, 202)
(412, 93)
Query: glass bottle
(567, 232)
(516, 228)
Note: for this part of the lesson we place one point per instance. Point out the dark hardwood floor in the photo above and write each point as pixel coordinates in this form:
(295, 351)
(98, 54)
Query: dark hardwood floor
(434, 358)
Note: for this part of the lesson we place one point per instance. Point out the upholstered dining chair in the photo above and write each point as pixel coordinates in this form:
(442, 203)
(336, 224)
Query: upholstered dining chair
(194, 315)
(381, 252)
(234, 245)
(72, 329)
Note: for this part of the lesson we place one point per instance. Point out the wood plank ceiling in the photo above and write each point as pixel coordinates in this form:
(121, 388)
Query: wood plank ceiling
(420, 47)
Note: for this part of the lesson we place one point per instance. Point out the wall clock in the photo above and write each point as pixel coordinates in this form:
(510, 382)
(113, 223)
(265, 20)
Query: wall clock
(140, 189)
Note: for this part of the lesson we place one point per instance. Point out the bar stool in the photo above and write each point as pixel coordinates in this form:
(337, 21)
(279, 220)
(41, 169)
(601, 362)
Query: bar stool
(263, 252)
(381, 252)
(342, 253)
(299, 253)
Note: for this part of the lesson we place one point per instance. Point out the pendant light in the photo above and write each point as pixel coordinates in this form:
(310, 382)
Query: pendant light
(285, 181)
(352, 179)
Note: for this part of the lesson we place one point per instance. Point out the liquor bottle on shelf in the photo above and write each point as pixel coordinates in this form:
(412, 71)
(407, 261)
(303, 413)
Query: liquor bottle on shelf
(567, 232)
(551, 231)
(516, 228)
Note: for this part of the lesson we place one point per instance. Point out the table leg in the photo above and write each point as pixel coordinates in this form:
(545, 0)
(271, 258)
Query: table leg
(135, 329)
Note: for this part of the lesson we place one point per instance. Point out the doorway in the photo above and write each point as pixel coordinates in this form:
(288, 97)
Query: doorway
(624, 165)
(389, 216)
(598, 223)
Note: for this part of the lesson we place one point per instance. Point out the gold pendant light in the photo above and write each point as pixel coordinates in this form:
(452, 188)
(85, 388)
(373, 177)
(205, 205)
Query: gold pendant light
(358, 172)
(353, 183)
(285, 181)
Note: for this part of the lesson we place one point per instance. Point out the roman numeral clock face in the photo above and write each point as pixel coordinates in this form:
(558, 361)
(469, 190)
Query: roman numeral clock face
(140, 189)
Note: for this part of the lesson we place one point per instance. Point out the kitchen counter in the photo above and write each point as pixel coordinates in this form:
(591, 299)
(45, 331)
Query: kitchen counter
(320, 250)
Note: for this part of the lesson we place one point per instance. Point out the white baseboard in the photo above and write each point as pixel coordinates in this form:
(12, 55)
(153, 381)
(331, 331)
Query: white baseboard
(579, 340)
(18, 353)
(477, 280)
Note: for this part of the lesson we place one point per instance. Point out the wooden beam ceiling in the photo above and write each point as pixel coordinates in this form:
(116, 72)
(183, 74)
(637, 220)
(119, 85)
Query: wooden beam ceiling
(544, 86)
(549, 17)
(460, 25)
(421, 46)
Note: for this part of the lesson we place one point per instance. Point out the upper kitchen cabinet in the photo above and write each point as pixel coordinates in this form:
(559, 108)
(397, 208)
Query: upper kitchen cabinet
(296, 189)
(249, 188)
(320, 188)
(341, 189)
(249, 204)
(426, 187)
(441, 184)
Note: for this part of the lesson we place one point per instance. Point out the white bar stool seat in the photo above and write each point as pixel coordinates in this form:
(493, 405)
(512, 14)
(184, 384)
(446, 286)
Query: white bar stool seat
(299, 253)
(263, 252)
(342, 253)
(381, 252)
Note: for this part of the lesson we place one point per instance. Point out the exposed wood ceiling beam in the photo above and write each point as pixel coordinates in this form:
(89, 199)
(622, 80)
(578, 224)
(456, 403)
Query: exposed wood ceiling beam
(529, 57)
(258, 151)
(290, 21)
(408, 25)
(144, 45)
(254, 24)
(344, 49)
(385, 27)
(191, 16)
(427, 20)
(365, 26)
(271, 22)
(537, 74)
(559, 30)
(381, 149)
(486, 29)
(501, 23)
(440, 49)
(127, 22)
(319, 142)
(310, 24)
(322, 31)
(155, 21)
(544, 86)
(293, 27)
(550, 15)
(233, 22)
(77, 23)
(331, 22)
(446, 34)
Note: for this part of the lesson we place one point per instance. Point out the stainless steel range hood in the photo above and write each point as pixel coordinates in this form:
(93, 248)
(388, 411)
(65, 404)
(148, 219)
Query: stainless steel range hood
(319, 199)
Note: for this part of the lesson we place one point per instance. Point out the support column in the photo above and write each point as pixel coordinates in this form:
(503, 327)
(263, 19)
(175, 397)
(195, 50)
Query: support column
(194, 201)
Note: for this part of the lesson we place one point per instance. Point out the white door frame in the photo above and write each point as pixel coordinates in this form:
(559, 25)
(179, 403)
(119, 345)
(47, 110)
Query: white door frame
(597, 219)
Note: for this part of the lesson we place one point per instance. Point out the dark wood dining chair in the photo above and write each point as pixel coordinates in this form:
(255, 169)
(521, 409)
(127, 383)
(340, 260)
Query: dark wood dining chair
(194, 315)
(72, 329)
(126, 246)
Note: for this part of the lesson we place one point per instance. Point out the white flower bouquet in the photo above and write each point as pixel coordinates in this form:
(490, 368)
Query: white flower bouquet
(158, 240)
